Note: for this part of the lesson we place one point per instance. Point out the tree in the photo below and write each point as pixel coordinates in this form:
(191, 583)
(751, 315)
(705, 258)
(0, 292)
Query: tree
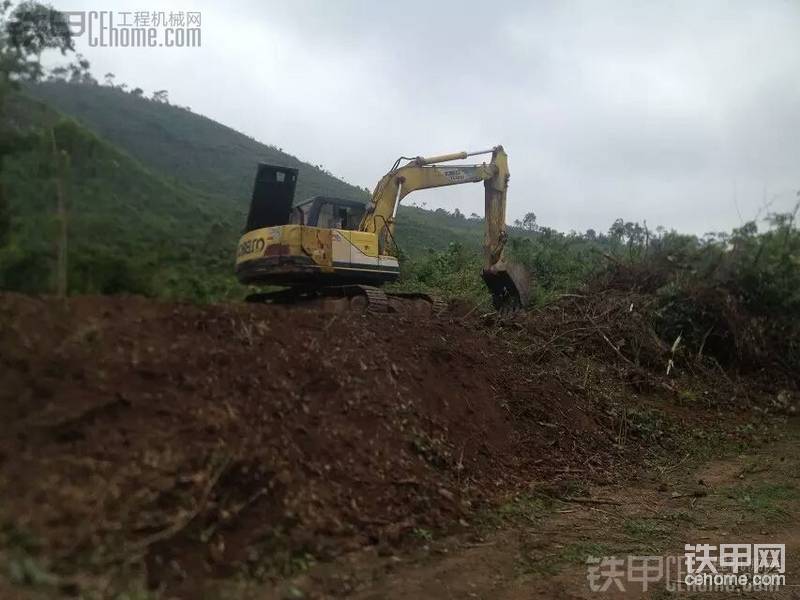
(5, 217)
(591, 234)
(635, 235)
(79, 71)
(61, 162)
(28, 31)
(138, 92)
(529, 221)
(617, 230)
(161, 96)
(58, 73)
(109, 79)
(32, 29)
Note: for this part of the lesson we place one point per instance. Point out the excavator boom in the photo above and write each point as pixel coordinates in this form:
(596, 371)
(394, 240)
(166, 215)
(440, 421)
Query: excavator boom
(507, 282)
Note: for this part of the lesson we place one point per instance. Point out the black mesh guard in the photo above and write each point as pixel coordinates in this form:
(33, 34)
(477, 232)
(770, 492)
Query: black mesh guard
(273, 194)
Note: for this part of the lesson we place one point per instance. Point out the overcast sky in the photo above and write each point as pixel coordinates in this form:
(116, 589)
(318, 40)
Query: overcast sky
(686, 114)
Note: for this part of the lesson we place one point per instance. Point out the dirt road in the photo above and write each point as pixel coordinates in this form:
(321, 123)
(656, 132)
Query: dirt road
(536, 545)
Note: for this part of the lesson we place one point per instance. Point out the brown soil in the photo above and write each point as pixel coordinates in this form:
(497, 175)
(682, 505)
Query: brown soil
(201, 438)
(545, 557)
(193, 443)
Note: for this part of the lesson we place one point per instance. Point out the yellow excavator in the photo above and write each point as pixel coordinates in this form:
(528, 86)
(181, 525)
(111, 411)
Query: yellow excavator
(331, 247)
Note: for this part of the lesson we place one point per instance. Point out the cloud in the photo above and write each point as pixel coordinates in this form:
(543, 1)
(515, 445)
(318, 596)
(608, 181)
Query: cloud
(682, 113)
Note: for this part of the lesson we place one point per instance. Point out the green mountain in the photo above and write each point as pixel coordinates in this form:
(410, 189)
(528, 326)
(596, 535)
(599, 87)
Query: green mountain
(220, 161)
(130, 228)
(181, 144)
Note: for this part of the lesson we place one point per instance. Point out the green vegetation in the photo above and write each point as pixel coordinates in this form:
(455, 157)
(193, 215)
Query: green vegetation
(527, 507)
(535, 559)
(180, 145)
(764, 501)
(21, 558)
(578, 552)
(204, 155)
(422, 534)
(760, 268)
(419, 231)
(130, 230)
(645, 529)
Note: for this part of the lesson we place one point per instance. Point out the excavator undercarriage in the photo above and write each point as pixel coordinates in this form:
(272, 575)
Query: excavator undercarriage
(341, 298)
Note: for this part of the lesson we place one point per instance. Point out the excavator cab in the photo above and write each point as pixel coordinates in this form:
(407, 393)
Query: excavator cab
(329, 212)
(272, 204)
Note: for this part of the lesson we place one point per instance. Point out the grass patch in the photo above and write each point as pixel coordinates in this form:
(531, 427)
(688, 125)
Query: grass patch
(765, 501)
(422, 534)
(645, 529)
(578, 552)
(680, 518)
(533, 561)
(526, 507)
(21, 562)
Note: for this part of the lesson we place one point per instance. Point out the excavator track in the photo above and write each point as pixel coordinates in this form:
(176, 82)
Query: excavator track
(354, 297)
(377, 302)
(374, 299)
(436, 306)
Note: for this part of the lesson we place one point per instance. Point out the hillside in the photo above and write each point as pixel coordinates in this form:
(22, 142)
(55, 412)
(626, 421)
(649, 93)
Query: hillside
(206, 155)
(131, 229)
(179, 143)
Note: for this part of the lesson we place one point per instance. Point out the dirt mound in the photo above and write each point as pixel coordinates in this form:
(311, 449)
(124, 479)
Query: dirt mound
(207, 441)
(197, 442)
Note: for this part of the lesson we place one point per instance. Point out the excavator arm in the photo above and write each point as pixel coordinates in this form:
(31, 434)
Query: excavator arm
(507, 282)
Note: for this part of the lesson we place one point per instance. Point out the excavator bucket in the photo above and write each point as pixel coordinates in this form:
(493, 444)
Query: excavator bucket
(509, 284)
